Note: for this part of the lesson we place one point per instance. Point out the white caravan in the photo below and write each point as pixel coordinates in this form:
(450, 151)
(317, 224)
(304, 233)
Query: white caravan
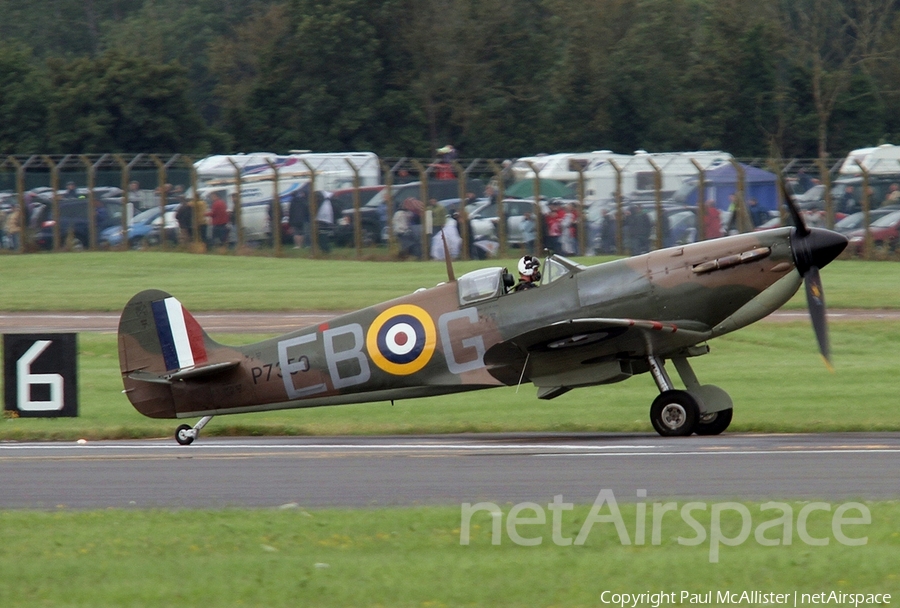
(333, 171)
(639, 175)
(560, 166)
(879, 160)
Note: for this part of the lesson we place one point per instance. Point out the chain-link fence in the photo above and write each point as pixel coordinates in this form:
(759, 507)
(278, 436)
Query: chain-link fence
(574, 204)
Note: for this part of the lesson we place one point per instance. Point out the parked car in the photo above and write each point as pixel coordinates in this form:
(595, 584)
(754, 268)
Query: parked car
(885, 233)
(879, 185)
(484, 215)
(775, 222)
(73, 219)
(144, 229)
(373, 215)
(854, 221)
(681, 224)
(342, 200)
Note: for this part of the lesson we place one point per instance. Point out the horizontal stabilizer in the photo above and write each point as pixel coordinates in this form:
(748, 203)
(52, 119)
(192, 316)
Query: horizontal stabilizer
(189, 373)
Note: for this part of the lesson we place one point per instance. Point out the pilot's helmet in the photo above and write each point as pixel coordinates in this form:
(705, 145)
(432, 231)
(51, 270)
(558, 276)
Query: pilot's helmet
(529, 265)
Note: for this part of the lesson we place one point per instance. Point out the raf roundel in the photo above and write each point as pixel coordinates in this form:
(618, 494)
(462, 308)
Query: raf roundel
(401, 340)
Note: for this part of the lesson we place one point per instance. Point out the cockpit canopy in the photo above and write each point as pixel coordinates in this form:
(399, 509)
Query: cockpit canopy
(487, 283)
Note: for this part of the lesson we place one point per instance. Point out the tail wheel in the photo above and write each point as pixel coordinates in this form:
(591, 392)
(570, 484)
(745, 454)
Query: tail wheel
(674, 414)
(715, 423)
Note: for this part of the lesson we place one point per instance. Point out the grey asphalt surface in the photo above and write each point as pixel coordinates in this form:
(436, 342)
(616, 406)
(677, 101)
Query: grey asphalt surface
(446, 470)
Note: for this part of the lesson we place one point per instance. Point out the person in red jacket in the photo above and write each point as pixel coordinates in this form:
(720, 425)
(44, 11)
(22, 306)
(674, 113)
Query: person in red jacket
(712, 223)
(219, 218)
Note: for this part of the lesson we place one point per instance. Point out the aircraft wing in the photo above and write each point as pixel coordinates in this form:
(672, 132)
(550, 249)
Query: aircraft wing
(585, 342)
(640, 337)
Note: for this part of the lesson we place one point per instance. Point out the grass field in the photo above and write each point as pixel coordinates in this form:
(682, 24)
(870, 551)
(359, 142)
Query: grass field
(106, 281)
(413, 557)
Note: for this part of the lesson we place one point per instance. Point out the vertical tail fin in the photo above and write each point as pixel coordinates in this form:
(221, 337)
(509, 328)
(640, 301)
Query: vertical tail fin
(158, 339)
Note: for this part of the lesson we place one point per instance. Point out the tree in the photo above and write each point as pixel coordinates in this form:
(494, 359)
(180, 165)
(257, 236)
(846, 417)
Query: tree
(122, 103)
(322, 77)
(23, 102)
(733, 87)
(650, 96)
(833, 40)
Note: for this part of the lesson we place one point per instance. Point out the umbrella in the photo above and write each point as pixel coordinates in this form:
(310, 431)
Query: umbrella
(550, 188)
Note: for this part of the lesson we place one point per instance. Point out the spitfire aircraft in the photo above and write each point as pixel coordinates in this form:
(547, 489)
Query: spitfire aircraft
(583, 326)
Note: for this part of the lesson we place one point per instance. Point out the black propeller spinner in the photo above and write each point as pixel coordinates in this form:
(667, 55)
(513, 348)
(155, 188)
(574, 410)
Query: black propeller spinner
(813, 248)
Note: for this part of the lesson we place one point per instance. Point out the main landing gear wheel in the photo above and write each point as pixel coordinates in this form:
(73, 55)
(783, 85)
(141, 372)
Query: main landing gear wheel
(674, 413)
(715, 423)
(184, 434)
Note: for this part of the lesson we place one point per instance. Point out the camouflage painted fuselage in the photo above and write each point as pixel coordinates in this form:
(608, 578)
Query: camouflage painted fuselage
(586, 326)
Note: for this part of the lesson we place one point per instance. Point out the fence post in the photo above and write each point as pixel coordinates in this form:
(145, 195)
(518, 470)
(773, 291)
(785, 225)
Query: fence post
(825, 174)
(423, 194)
(866, 204)
(163, 194)
(20, 200)
(389, 204)
(620, 215)
(781, 186)
(276, 208)
(357, 220)
(701, 200)
(501, 208)
(740, 205)
(657, 195)
(54, 208)
(313, 211)
(91, 212)
(464, 225)
(237, 202)
(123, 245)
(538, 212)
(582, 212)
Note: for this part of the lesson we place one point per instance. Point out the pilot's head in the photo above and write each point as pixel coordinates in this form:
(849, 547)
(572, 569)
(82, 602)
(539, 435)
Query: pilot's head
(529, 268)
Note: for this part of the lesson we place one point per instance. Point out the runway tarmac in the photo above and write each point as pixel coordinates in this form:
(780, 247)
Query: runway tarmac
(446, 470)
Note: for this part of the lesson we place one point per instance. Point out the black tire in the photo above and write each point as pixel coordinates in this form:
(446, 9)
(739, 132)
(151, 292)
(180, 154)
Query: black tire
(717, 423)
(674, 414)
(181, 437)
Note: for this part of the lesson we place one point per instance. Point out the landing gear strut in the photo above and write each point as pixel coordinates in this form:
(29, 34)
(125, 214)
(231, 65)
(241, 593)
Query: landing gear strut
(701, 409)
(185, 434)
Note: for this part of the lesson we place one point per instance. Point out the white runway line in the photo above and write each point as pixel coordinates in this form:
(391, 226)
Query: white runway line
(555, 450)
(328, 446)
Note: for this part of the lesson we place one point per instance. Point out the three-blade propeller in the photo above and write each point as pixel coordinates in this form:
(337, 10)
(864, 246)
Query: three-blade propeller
(813, 248)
